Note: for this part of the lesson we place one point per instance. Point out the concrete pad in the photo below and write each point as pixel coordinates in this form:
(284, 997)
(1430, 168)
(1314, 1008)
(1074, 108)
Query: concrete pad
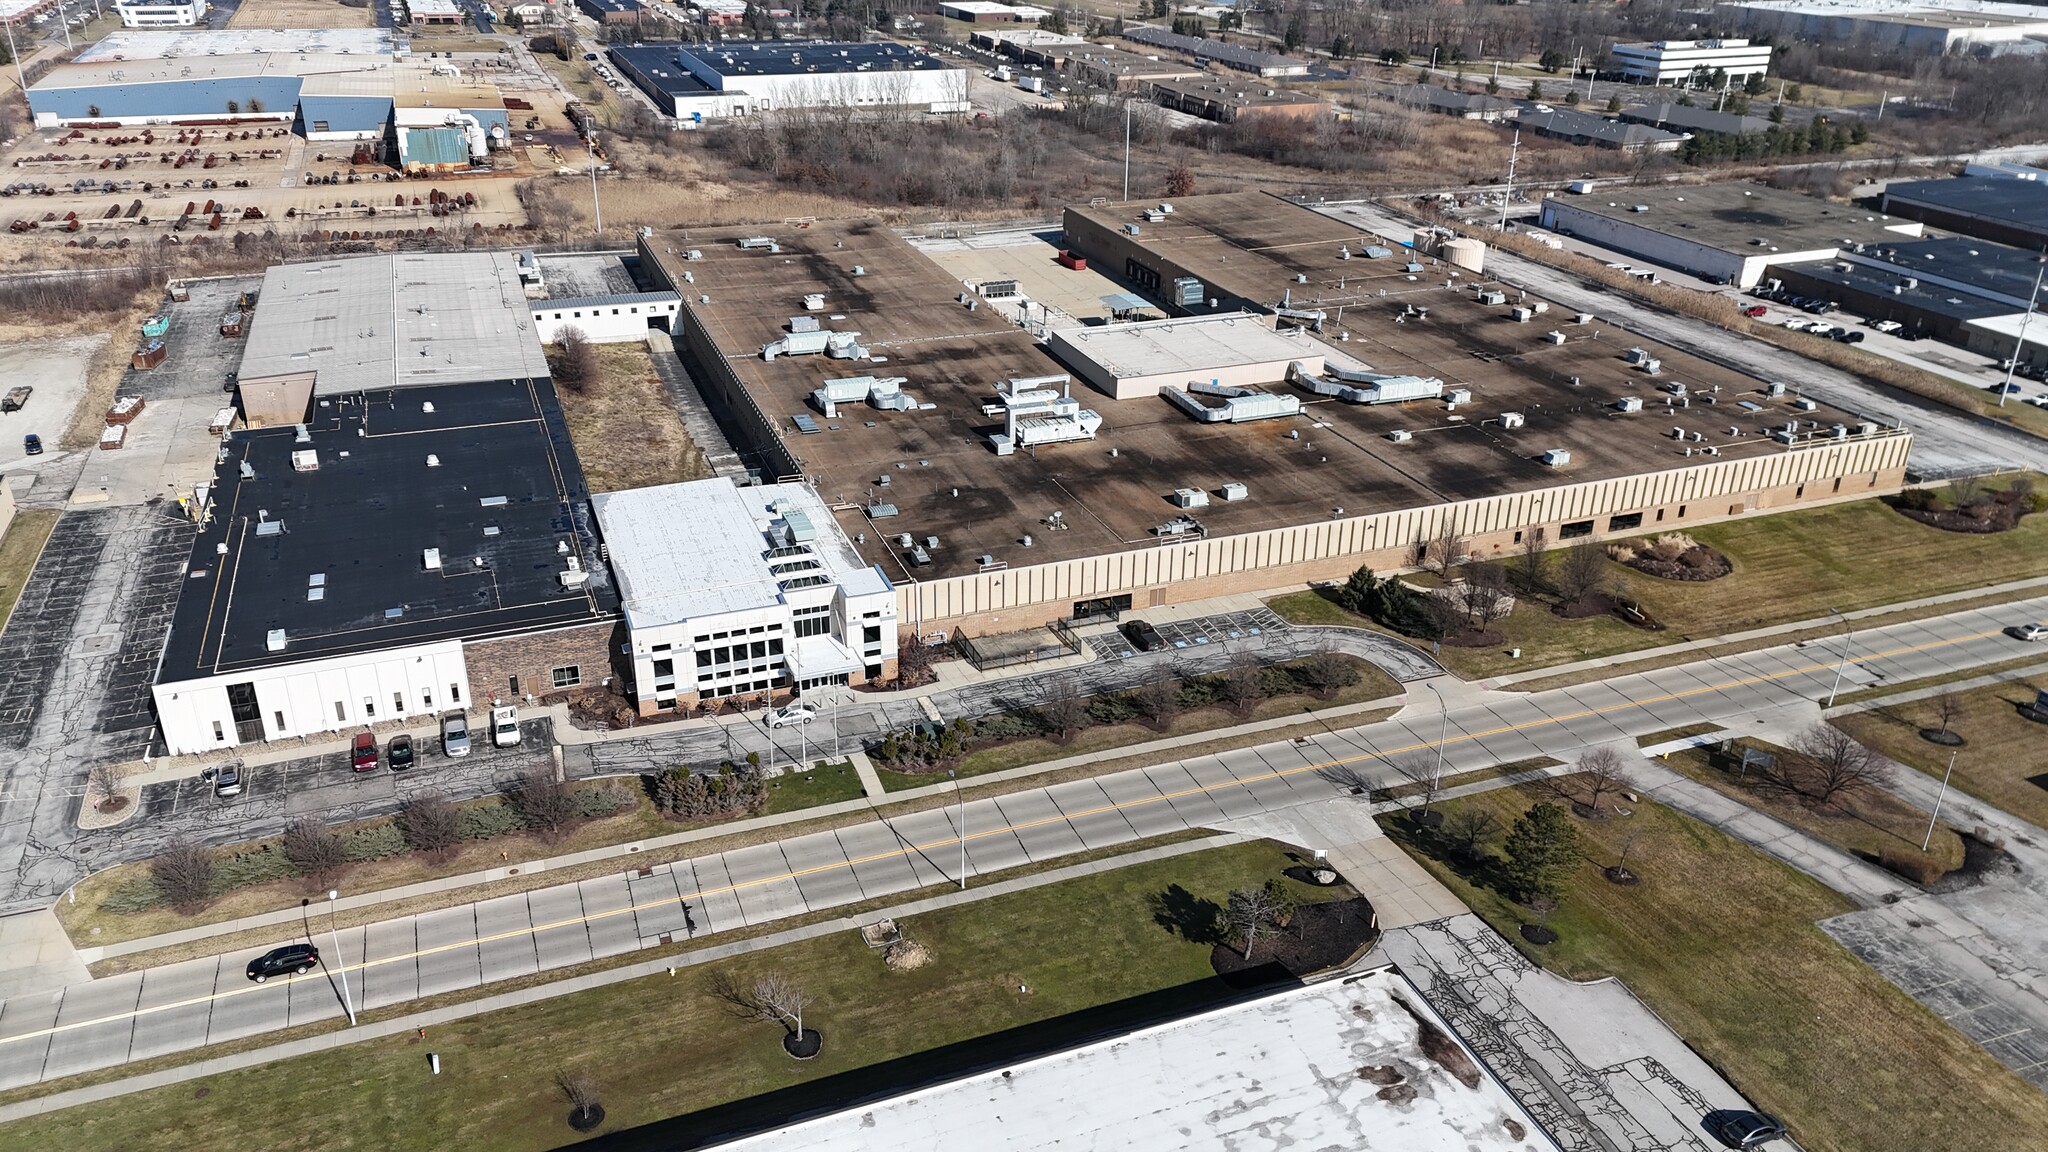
(505, 938)
(35, 953)
(391, 975)
(1401, 891)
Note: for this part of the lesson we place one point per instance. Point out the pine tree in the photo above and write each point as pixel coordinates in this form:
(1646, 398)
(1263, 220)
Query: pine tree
(1542, 849)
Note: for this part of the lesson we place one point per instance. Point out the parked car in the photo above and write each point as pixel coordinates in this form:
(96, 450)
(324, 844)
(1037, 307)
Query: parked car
(227, 781)
(16, 397)
(1886, 326)
(232, 380)
(590, 55)
(1848, 336)
(1142, 636)
(362, 755)
(2028, 631)
(32, 445)
(792, 714)
(1744, 1129)
(297, 959)
(399, 753)
(1755, 311)
(2005, 390)
(505, 726)
(1798, 325)
(455, 735)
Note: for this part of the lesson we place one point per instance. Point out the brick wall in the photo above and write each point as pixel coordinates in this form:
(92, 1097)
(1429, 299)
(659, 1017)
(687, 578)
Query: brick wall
(533, 657)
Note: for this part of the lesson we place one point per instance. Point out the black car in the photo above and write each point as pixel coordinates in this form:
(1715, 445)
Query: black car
(232, 380)
(399, 753)
(296, 959)
(32, 444)
(1744, 1129)
(1144, 637)
(1849, 336)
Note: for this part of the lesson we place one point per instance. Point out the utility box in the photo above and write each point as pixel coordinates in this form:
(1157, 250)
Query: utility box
(1190, 498)
(1234, 491)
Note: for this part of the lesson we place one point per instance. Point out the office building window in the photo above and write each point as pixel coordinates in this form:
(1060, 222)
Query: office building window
(567, 676)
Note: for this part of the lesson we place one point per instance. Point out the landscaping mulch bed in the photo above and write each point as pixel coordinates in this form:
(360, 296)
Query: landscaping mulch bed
(1319, 937)
(1601, 604)
(2000, 513)
(1945, 737)
(1698, 564)
(1476, 638)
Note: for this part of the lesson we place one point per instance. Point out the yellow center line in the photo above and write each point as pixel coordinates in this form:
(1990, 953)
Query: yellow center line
(1005, 829)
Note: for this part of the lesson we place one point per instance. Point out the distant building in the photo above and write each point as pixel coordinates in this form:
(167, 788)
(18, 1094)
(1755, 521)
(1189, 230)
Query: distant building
(1933, 27)
(1586, 128)
(161, 13)
(1945, 287)
(988, 12)
(762, 594)
(1445, 102)
(1999, 209)
(1232, 56)
(433, 11)
(1675, 61)
(707, 81)
(1224, 100)
(614, 12)
(1699, 121)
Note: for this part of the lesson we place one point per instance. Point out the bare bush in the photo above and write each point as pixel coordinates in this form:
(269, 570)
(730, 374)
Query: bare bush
(546, 802)
(1158, 697)
(315, 850)
(1601, 773)
(1582, 574)
(1061, 709)
(575, 363)
(1242, 684)
(183, 872)
(103, 783)
(1831, 763)
(430, 822)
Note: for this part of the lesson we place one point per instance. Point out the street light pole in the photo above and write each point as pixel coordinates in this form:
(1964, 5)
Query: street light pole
(2019, 347)
(1938, 798)
(962, 803)
(340, 967)
(1443, 732)
(14, 52)
(1841, 661)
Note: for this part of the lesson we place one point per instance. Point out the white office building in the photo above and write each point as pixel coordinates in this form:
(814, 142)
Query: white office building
(161, 13)
(731, 591)
(1674, 61)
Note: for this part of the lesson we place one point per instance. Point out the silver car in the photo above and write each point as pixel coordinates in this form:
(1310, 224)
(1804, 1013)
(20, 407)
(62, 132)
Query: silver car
(455, 735)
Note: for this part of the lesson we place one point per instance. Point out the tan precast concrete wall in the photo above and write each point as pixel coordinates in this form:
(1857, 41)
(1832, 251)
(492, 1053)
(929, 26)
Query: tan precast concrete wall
(1185, 570)
(534, 656)
(274, 400)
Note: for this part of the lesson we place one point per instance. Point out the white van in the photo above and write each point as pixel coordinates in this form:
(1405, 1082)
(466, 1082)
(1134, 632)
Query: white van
(505, 726)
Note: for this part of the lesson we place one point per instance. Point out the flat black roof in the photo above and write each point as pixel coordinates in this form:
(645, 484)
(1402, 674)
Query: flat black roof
(797, 57)
(655, 66)
(1976, 265)
(506, 489)
(2019, 202)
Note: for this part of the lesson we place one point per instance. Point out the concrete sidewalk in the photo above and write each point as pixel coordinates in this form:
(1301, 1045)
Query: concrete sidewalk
(1621, 659)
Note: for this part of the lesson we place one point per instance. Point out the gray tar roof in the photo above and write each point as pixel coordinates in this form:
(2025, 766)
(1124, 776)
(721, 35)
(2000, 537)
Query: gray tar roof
(403, 320)
(2023, 203)
(1733, 217)
(1446, 101)
(1679, 118)
(1202, 49)
(1565, 122)
(1950, 276)
(797, 57)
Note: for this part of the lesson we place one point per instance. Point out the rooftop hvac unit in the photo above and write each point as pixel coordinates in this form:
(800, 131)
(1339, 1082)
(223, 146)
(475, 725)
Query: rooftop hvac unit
(814, 302)
(1459, 395)
(1652, 366)
(1582, 317)
(1866, 428)
(1400, 436)
(1838, 432)
(1491, 296)
(305, 460)
(1234, 491)
(1629, 404)
(1774, 388)
(1187, 291)
(1521, 314)
(759, 244)
(1637, 356)
(1557, 457)
(1804, 405)
(273, 640)
(431, 558)
(1554, 337)
(1190, 498)
(1512, 420)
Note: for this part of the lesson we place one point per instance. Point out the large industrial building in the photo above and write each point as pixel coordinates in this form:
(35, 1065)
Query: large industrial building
(960, 457)
(1284, 1070)
(1932, 27)
(739, 591)
(1942, 288)
(1235, 57)
(1998, 209)
(730, 78)
(1728, 233)
(1679, 61)
(330, 84)
(1590, 129)
(161, 13)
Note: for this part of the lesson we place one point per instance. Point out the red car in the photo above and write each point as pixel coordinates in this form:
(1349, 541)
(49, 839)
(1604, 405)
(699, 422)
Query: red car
(363, 757)
(1754, 311)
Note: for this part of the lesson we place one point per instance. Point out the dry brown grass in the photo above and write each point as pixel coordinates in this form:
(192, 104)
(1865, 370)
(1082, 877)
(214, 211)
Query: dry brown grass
(2005, 762)
(625, 432)
(300, 14)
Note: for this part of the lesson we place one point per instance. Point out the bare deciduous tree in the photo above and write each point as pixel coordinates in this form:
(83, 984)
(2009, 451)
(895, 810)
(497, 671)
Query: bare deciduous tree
(1469, 829)
(183, 872)
(430, 822)
(1949, 707)
(1249, 912)
(1062, 708)
(1964, 491)
(1326, 670)
(546, 802)
(1241, 684)
(1601, 773)
(103, 782)
(1486, 592)
(1532, 563)
(778, 999)
(1158, 696)
(314, 849)
(1446, 550)
(575, 366)
(581, 1093)
(1582, 573)
(1422, 770)
(1831, 763)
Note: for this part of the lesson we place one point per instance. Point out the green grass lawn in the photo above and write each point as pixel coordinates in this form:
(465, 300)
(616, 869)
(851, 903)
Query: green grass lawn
(1372, 684)
(2004, 763)
(18, 552)
(825, 783)
(1094, 953)
(1869, 824)
(1788, 566)
(1720, 940)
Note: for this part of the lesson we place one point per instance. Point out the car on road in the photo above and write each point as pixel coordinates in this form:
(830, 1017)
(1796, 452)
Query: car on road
(792, 714)
(32, 445)
(505, 726)
(2005, 390)
(362, 755)
(1755, 311)
(2028, 631)
(296, 959)
(399, 753)
(590, 55)
(1744, 1129)
(1886, 326)
(455, 735)
(227, 781)
(1142, 636)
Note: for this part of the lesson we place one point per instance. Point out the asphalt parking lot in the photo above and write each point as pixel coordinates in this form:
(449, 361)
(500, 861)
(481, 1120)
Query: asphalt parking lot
(1183, 634)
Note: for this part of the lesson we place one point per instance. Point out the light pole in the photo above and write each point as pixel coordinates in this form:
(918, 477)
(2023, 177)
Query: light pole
(15, 53)
(2019, 347)
(1443, 732)
(340, 966)
(962, 803)
(1938, 798)
(1841, 661)
(590, 139)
